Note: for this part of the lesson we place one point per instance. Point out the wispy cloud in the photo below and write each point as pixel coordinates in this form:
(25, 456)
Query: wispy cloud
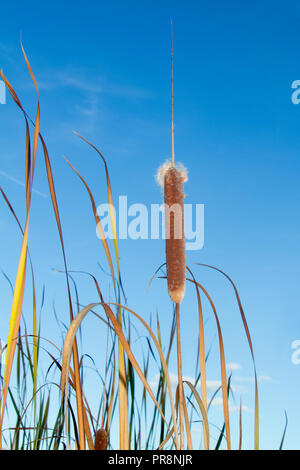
(68, 78)
(211, 385)
(90, 106)
(233, 366)
(260, 378)
(20, 183)
(88, 81)
(218, 401)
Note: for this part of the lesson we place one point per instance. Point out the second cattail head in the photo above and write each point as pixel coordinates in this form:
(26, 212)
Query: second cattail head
(100, 440)
(172, 178)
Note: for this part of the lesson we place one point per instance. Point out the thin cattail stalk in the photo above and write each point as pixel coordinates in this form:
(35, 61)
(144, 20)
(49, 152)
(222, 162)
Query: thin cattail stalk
(172, 99)
(180, 385)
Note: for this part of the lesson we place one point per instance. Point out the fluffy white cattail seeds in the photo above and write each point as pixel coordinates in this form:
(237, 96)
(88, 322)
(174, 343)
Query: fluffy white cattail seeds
(160, 175)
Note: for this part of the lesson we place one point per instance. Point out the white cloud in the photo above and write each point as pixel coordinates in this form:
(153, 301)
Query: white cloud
(218, 401)
(233, 366)
(211, 385)
(81, 80)
(260, 378)
(173, 380)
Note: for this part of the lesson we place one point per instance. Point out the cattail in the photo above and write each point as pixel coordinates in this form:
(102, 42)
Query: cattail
(172, 179)
(100, 440)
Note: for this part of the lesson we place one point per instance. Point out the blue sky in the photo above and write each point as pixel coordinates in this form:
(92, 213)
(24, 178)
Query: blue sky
(104, 71)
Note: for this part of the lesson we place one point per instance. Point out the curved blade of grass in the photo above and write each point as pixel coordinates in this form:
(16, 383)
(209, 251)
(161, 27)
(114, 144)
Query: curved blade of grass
(75, 349)
(284, 432)
(29, 166)
(35, 336)
(256, 424)
(110, 199)
(70, 338)
(222, 433)
(15, 317)
(67, 350)
(123, 406)
(222, 364)
(201, 354)
(21, 272)
(111, 402)
(203, 413)
(163, 362)
(72, 384)
(187, 425)
(98, 224)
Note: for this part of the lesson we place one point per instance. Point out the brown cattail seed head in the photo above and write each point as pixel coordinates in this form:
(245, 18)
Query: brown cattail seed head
(174, 225)
(101, 440)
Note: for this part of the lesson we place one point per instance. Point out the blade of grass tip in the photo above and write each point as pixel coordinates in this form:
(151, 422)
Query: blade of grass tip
(154, 275)
(98, 224)
(36, 126)
(158, 330)
(284, 431)
(222, 434)
(256, 413)
(222, 364)
(110, 199)
(12, 210)
(111, 207)
(27, 152)
(79, 401)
